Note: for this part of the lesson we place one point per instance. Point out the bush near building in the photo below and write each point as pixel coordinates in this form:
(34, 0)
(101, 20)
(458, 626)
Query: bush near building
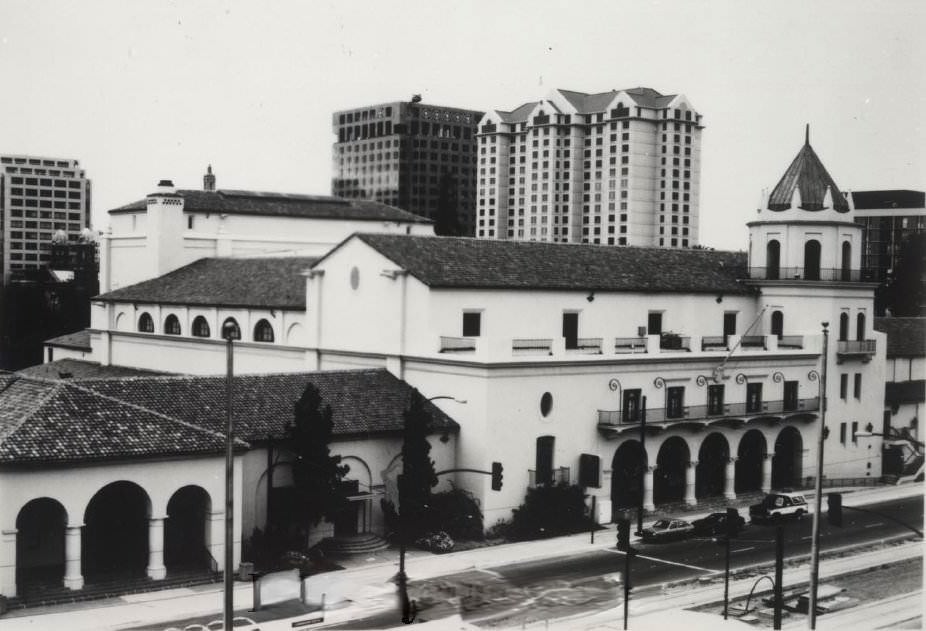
(549, 511)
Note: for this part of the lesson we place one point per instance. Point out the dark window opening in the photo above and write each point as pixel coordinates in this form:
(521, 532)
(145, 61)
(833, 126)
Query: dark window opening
(715, 400)
(571, 329)
(753, 397)
(472, 324)
(675, 402)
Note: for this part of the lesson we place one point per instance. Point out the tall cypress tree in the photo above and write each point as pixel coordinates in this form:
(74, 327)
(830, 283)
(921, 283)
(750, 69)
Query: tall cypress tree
(317, 475)
(418, 473)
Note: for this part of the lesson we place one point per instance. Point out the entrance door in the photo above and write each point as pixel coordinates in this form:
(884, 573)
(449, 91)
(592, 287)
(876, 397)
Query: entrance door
(729, 325)
(545, 460)
(571, 329)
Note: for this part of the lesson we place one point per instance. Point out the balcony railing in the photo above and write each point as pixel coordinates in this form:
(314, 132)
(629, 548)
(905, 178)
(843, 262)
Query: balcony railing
(673, 342)
(532, 346)
(590, 345)
(862, 348)
(800, 273)
(713, 342)
(559, 475)
(791, 341)
(703, 412)
(752, 341)
(457, 344)
(630, 345)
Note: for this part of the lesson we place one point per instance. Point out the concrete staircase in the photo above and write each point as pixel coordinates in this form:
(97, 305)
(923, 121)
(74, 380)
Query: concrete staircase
(364, 543)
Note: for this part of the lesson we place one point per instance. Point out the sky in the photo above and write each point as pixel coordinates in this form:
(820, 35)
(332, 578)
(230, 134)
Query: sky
(143, 91)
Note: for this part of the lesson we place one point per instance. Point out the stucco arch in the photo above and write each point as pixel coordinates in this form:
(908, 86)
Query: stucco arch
(627, 466)
(713, 455)
(358, 470)
(121, 322)
(671, 461)
(295, 334)
(187, 532)
(40, 547)
(115, 532)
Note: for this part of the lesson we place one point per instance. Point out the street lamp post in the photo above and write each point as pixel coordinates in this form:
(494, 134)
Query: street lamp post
(818, 488)
(229, 332)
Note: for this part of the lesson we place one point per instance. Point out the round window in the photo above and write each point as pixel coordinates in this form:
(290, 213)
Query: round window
(546, 403)
(354, 278)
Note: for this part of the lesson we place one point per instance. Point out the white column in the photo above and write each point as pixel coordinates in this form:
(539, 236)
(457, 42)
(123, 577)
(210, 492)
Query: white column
(728, 487)
(73, 579)
(648, 489)
(690, 471)
(767, 473)
(216, 527)
(8, 562)
(156, 568)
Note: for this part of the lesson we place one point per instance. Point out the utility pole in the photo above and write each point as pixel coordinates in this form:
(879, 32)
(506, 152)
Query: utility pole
(818, 487)
(779, 573)
(229, 608)
(644, 464)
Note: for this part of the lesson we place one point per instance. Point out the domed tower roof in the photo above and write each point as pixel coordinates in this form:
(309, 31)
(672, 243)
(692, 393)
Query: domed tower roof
(808, 176)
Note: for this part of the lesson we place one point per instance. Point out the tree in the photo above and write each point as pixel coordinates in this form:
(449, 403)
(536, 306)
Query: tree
(317, 475)
(418, 473)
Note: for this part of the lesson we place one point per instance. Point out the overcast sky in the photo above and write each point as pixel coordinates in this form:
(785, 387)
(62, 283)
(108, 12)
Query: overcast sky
(139, 91)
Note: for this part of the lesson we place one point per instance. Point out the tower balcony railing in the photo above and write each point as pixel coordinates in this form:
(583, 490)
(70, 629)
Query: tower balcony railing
(629, 345)
(707, 412)
(864, 349)
(457, 344)
(835, 274)
(588, 345)
(532, 346)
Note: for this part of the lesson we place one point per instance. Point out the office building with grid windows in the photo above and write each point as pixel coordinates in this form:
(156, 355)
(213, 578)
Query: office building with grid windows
(418, 157)
(38, 197)
(892, 219)
(615, 168)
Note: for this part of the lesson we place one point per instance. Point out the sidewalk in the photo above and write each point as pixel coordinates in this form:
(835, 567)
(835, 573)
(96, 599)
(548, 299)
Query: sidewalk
(366, 579)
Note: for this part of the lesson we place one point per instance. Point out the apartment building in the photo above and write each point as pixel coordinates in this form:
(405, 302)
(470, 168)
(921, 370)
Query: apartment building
(38, 197)
(614, 168)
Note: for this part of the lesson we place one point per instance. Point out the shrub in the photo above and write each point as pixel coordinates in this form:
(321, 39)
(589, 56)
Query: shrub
(438, 542)
(549, 511)
(457, 513)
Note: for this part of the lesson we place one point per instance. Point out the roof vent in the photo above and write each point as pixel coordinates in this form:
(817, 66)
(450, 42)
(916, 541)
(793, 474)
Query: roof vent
(166, 186)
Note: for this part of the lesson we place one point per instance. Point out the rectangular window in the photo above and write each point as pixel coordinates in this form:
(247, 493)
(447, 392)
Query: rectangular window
(854, 431)
(857, 389)
(753, 397)
(790, 400)
(715, 400)
(472, 324)
(571, 329)
(842, 433)
(729, 323)
(843, 386)
(654, 323)
(675, 402)
(631, 411)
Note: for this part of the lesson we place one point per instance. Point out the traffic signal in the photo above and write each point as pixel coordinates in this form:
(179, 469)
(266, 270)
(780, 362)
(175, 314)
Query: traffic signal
(623, 535)
(496, 476)
(834, 509)
(733, 518)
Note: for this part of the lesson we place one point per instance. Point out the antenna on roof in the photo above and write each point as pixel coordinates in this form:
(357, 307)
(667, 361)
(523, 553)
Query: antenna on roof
(807, 134)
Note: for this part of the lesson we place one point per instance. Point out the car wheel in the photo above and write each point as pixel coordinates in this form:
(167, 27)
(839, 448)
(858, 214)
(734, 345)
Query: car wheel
(799, 513)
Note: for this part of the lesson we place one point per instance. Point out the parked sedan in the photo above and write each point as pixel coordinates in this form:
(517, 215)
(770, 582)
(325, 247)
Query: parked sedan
(716, 524)
(667, 530)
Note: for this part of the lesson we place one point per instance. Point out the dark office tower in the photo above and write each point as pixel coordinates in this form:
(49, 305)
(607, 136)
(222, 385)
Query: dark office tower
(418, 157)
(38, 197)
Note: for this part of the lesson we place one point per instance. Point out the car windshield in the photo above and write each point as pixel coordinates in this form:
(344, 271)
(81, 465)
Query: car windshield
(662, 523)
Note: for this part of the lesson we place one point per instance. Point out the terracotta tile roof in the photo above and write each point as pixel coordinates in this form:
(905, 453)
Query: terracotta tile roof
(900, 392)
(489, 264)
(906, 337)
(79, 369)
(79, 340)
(362, 401)
(235, 202)
(807, 174)
(147, 417)
(591, 103)
(270, 283)
(45, 421)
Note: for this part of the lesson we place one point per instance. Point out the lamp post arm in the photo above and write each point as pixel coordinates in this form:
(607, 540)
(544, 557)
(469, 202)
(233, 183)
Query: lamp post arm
(888, 517)
(463, 471)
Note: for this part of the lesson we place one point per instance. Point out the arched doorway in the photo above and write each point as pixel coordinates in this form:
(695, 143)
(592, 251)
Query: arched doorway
(812, 260)
(860, 327)
(186, 530)
(843, 327)
(40, 544)
(669, 482)
(786, 466)
(778, 323)
(627, 473)
(773, 260)
(115, 534)
(846, 268)
(712, 466)
(749, 458)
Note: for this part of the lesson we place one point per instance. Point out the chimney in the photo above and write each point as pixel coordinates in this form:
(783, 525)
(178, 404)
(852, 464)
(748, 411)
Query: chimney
(209, 180)
(166, 187)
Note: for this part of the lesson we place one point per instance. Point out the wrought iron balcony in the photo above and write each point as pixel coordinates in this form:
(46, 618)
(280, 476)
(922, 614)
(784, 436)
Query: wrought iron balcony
(847, 349)
(801, 273)
(674, 342)
(551, 477)
(630, 345)
(708, 413)
(532, 346)
(714, 342)
(457, 344)
(591, 345)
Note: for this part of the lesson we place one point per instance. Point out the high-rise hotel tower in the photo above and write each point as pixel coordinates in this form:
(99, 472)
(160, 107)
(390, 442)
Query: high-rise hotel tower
(616, 168)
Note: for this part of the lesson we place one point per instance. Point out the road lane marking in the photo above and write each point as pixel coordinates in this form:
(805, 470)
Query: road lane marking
(807, 538)
(873, 525)
(649, 558)
(743, 549)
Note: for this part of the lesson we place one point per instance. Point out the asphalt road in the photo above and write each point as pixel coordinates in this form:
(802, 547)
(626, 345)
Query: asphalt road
(585, 582)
